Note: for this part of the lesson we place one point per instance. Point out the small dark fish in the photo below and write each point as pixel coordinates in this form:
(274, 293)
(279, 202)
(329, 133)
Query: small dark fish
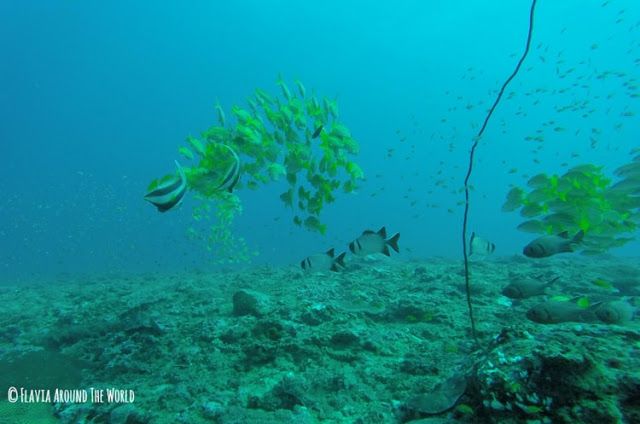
(371, 242)
(324, 262)
(545, 246)
(317, 132)
(169, 193)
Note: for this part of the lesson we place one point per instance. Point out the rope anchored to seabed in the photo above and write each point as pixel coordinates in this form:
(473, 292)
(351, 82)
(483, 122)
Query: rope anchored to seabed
(470, 168)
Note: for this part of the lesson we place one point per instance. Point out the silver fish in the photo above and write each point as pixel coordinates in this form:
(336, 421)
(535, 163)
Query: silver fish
(545, 246)
(480, 246)
(525, 287)
(371, 242)
(169, 193)
(324, 262)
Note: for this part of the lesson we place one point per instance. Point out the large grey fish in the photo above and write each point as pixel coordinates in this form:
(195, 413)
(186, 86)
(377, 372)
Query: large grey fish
(523, 288)
(615, 312)
(168, 193)
(324, 262)
(553, 312)
(545, 246)
(371, 242)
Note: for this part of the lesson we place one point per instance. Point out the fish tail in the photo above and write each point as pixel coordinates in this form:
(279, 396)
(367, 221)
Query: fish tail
(338, 262)
(575, 241)
(393, 242)
(578, 237)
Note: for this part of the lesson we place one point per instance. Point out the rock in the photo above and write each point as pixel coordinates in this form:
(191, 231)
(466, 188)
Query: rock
(212, 409)
(344, 339)
(442, 398)
(125, 414)
(249, 302)
(316, 314)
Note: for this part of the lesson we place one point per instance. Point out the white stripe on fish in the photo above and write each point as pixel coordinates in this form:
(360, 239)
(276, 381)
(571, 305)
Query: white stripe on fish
(169, 193)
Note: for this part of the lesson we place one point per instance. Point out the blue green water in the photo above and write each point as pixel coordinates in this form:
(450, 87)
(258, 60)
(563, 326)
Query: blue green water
(96, 97)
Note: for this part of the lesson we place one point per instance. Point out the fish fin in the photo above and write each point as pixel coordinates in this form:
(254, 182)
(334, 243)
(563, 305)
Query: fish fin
(383, 232)
(552, 281)
(385, 250)
(393, 242)
(181, 171)
(368, 232)
(339, 261)
(567, 247)
(492, 247)
(331, 252)
(564, 234)
(578, 237)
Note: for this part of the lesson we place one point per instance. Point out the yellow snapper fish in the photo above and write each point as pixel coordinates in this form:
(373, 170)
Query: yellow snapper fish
(322, 262)
(550, 245)
(168, 193)
(371, 242)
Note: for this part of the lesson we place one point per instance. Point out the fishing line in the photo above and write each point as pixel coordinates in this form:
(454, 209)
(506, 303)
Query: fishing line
(470, 168)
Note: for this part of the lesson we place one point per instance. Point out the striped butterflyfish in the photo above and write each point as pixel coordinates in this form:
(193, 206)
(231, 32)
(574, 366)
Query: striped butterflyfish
(232, 174)
(168, 192)
(371, 242)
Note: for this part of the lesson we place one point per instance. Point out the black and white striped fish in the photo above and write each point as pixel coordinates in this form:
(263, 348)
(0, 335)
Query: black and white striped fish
(232, 175)
(371, 242)
(324, 262)
(167, 194)
(480, 246)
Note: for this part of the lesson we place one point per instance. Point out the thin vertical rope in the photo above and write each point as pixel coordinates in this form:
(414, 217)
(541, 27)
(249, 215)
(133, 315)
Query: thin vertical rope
(470, 168)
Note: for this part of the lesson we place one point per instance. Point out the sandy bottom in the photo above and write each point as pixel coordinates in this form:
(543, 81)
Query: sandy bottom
(382, 341)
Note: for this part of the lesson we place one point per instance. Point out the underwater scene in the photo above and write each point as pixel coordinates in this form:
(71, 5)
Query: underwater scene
(420, 211)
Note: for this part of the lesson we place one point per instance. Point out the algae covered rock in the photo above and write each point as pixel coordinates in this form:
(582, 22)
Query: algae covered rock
(249, 302)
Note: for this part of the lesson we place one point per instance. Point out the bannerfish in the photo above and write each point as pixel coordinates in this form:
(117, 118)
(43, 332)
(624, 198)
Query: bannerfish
(168, 193)
(324, 262)
(545, 246)
(525, 287)
(371, 242)
(614, 312)
(232, 175)
(480, 246)
(553, 312)
(317, 131)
